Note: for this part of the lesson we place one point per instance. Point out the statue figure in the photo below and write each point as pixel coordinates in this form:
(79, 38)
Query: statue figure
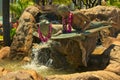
(79, 21)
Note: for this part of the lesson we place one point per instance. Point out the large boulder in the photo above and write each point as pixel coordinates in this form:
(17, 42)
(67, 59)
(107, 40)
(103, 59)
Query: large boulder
(95, 75)
(111, 72)
(22, 41)
(103, 13)
(75, 50)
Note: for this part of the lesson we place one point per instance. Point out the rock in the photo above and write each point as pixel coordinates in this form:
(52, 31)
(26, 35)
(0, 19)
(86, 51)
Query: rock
(95, 75)
(104, 13)
(4, 52)
(21, 75)
(105, 34)
(3, 71)
(114, 64)
(111, 72)
(118, 36)
(26, 59)
(22, 41)
(34, 74)
(75, 50)
(108, 41)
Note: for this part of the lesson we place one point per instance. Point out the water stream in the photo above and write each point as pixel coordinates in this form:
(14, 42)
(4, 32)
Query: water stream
(43, 70)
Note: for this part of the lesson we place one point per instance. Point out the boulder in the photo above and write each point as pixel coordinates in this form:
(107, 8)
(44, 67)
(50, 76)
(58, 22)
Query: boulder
(3, 71)
(110, 72)
(95, 75)
(75, 50)
(21, 75)
(103, 13)
(22, 40)
(114, 64)
(4, 52)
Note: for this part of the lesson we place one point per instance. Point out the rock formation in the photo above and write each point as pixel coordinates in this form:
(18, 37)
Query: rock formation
(103, 13)
(22, 41)
(111, 72)
(21, 75)
(75, 50)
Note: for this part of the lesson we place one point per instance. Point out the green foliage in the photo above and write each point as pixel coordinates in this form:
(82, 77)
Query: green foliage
(62, 2)
(18, 7)
(113, 3)
(12, 32)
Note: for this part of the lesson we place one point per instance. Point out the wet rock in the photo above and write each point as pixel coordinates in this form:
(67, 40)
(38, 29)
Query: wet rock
(26, 59)
(43, 54)
(34, 74)
(4, 52)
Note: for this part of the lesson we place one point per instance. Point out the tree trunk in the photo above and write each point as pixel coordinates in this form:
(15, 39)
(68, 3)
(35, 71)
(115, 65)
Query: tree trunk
(6, 24)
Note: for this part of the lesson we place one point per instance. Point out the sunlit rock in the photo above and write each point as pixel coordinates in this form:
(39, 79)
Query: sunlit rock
(4, 52)
(22, 41)
(22, 75)
(3, 71)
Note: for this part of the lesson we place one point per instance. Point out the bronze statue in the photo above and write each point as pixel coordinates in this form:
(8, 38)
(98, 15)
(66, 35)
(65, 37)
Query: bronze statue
(79, 20)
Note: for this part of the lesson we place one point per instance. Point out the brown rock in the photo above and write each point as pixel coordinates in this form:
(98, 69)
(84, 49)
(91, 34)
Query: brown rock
(95, 75)
(108, 41)
(111, 72)
(75, 50)
(22, 41)
(25, 60)
(114, 65)
(4, 52)
(3, 71)
(21, 75)
(104, 13)
(34, 74)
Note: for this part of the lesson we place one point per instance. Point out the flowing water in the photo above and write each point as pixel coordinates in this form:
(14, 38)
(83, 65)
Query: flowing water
(41, 69)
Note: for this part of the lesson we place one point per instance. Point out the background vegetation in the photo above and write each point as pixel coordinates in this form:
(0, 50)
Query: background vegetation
(113, 3)
(18, 6)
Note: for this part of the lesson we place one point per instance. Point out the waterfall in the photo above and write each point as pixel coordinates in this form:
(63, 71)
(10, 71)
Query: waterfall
(40, 57)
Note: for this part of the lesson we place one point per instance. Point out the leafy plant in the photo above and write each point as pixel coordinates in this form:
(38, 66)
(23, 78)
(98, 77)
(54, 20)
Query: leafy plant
(113, 3)
(62, 1)
(18, 6)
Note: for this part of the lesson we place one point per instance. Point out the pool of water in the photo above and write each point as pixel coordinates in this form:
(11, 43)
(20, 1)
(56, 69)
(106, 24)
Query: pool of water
(40, 69)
